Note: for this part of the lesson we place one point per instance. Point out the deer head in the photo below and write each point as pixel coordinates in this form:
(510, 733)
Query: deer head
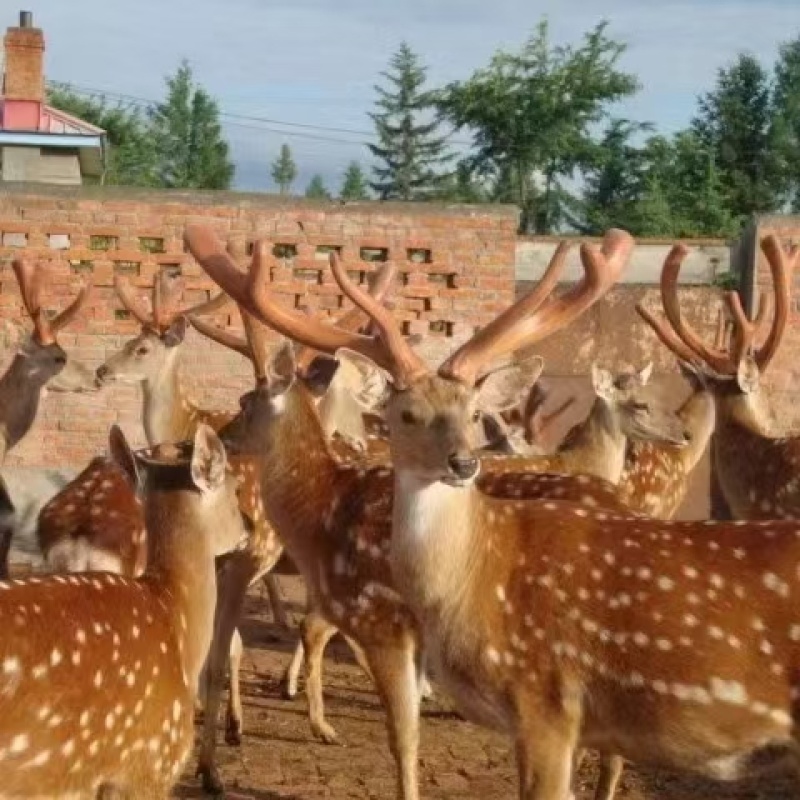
(43, 360)
(733, 364)
(431, 415)
(146, 357)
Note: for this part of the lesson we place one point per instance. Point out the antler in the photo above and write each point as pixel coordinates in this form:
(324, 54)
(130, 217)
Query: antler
(529, 321)
(165, 306)
(251, 292)
(723, 358)
(353, 320)
(45, 331)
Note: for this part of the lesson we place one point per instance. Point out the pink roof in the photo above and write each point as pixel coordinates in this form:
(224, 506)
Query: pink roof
(50, 120)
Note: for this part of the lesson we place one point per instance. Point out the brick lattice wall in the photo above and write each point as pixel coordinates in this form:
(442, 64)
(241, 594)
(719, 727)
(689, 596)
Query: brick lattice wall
(456, 271)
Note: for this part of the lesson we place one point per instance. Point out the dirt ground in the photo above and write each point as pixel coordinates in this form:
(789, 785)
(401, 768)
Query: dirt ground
(280, 759)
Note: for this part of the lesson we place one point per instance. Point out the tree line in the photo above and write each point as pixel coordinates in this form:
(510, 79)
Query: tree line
(541, 132)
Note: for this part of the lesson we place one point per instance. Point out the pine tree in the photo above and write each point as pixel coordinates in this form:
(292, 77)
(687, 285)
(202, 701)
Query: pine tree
(187, 137)
(284, 170)
(411, 155)
(354, 184)
(786, 101)
(316, 189)
(735, 124)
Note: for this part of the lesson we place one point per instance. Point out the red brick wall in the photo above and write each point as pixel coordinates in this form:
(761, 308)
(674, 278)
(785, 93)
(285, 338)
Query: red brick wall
(456, 272)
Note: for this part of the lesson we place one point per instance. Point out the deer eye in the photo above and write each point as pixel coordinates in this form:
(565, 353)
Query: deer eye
(476, 416)
(408, 418)
(61, 360)
(141, 351)
(641, 407)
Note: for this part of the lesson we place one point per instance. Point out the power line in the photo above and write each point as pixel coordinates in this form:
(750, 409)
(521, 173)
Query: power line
(266, 121)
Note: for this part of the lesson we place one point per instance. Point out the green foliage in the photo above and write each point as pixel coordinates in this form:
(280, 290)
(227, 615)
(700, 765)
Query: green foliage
(411, 154)
(786, 105)
(186, 132)
(316, 189)
(532, 114)
(735, 123)
(284, 170)
(354, 184)
(132, 157)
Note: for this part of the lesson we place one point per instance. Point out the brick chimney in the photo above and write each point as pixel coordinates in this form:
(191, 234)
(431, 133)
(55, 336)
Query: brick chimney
(24, 48)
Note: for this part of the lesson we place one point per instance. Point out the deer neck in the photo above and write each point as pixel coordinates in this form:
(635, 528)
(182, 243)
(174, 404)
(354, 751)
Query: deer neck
(742, 411)
(20, 392)
(299, 473)
(699, 416)
(166, 412)
(435, 543)
(598, 446)
(181, 563)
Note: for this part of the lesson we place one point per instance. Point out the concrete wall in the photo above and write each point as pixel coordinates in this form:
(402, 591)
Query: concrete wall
(33, 165)
(708, 259)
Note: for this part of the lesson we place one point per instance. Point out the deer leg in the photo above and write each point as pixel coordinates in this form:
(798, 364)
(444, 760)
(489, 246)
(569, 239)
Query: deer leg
(317, 632)
(279, 612)
(233, 715)
(395, 672)
(292, 673)
(233, 580)
(545, 756)
(360, 656)
(611, 767)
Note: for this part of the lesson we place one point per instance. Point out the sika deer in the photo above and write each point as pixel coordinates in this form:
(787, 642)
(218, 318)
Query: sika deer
(99, 671)
(759, 474)
(335, 520)
(673, 643)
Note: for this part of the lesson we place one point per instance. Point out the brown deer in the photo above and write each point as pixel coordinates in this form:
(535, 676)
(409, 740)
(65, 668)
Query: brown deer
(564, 625)
(98, 671)
(335, 522)
(757, 471)
(39, 363)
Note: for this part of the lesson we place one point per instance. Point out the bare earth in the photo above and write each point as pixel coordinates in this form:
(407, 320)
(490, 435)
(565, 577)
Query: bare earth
(280, 759)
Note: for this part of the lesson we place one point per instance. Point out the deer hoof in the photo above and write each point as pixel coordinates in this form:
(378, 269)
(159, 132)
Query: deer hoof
(233, 731)
(325, 733)
(210, 780)
(288, 688)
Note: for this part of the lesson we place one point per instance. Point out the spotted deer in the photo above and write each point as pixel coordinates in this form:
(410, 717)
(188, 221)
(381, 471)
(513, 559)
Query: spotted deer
(98, 671)
(336, 521)
(40, 363)
(675, 643)
(758, 472)
(248, 564)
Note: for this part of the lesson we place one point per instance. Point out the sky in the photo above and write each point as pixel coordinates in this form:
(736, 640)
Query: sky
(315, 62)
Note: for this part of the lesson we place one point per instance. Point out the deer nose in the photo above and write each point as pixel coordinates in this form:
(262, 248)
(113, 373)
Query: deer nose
(463, 466)
(102, 372)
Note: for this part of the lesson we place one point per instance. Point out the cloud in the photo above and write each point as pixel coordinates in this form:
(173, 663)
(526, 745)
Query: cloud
(315, 61)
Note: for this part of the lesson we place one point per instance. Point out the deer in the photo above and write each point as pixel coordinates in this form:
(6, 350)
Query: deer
(558, 623)
(335, 523)
(39, 364)
(99, 671)
(756, 470)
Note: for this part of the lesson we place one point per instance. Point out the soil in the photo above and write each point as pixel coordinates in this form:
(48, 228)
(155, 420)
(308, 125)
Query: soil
(279, 758)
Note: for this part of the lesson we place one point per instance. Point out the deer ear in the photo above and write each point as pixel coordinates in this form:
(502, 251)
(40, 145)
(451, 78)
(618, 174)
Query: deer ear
(748, 375)
(374, 381)
(281, 369)
(176, 332)
(208, 459)
(503, 388)
(602, 383)
(319, 374)
(122, 455)
(645, 373)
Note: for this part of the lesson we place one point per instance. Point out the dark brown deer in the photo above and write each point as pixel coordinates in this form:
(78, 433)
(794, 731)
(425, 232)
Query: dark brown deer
(98, 672)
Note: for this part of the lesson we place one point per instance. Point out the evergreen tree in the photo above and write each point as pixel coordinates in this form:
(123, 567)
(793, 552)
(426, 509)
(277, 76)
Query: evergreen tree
(132, 158)
(411, 154)
(734, 123)
(316, 189)
(284, 170)
(354, 185)
(187, 137)
(786, 101)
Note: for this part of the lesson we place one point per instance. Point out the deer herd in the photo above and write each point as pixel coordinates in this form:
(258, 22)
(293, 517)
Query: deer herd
(548, 592)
